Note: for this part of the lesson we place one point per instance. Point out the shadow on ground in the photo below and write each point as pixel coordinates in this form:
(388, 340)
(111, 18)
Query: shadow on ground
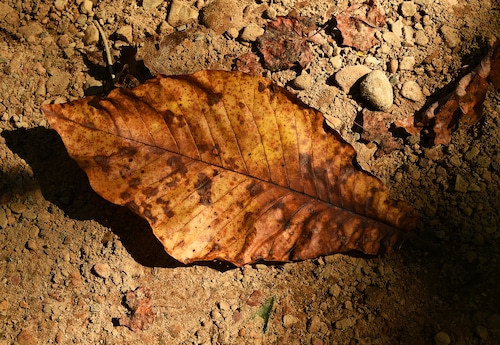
(64, 184)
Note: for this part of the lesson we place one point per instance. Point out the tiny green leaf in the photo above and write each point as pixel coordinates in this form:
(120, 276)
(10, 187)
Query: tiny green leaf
(265, 311)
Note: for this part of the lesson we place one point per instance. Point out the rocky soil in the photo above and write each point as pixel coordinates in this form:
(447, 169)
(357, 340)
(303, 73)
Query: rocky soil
(69, 258)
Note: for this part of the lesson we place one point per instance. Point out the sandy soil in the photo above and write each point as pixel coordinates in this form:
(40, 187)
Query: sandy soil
(68, 258)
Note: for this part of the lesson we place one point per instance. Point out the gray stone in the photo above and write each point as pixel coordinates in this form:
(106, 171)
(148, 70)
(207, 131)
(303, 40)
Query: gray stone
(348, 76)
(412, 91)
(377, 89)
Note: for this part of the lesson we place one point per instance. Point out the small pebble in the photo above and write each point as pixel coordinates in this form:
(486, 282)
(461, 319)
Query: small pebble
(224, 306)
(397, 27)
(303, 82)
(442, 338)
(371, 60)
(421, 38)
(348, 76)
(289, 320)
(26, 337)
(251, 32)
(377, 90)
(181, 13)
(412, 91)
(391, 38)
(31, 245)
(393, 65)
(408, 8)
(91, 35)
(17, 207)
(86, 7)
(450, 35)
(407, 63)
(125, 33)
(102, 270)
(60, 4)
(314, 324)
(461, 185)
(151, 4)
(336, 61)
(271, 13)
(4, 305)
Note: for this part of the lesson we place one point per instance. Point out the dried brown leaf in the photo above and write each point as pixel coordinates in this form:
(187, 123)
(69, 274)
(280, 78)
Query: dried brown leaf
(465, 103)
(359, 23)
(228, 166)
(375, 128)
(284, 45)
(249, 63)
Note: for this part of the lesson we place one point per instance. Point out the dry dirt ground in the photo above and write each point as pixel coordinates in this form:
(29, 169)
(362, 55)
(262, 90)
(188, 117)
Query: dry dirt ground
(68, 258)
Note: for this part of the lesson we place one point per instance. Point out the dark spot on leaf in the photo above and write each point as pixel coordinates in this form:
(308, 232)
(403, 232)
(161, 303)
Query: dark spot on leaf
(203, 148)
(133, 206)
(214, 98)
(125, 195)
(127, 151)
(254, 188)
(134, 182)
(150, 191)
(261, 87)
(168, 212)
(203, 186)
(175, 162)
(103, 162)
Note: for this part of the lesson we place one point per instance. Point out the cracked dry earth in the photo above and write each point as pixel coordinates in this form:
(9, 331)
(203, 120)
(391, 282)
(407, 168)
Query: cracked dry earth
(69, 260)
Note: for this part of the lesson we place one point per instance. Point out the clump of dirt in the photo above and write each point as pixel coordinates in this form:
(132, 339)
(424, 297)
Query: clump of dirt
(441, 287)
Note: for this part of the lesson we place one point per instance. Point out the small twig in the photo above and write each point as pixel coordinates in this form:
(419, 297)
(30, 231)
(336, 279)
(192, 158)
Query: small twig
(109, 60)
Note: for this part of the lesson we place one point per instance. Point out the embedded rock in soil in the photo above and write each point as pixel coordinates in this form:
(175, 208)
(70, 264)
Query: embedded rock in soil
(222, 15)
(377, 90)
